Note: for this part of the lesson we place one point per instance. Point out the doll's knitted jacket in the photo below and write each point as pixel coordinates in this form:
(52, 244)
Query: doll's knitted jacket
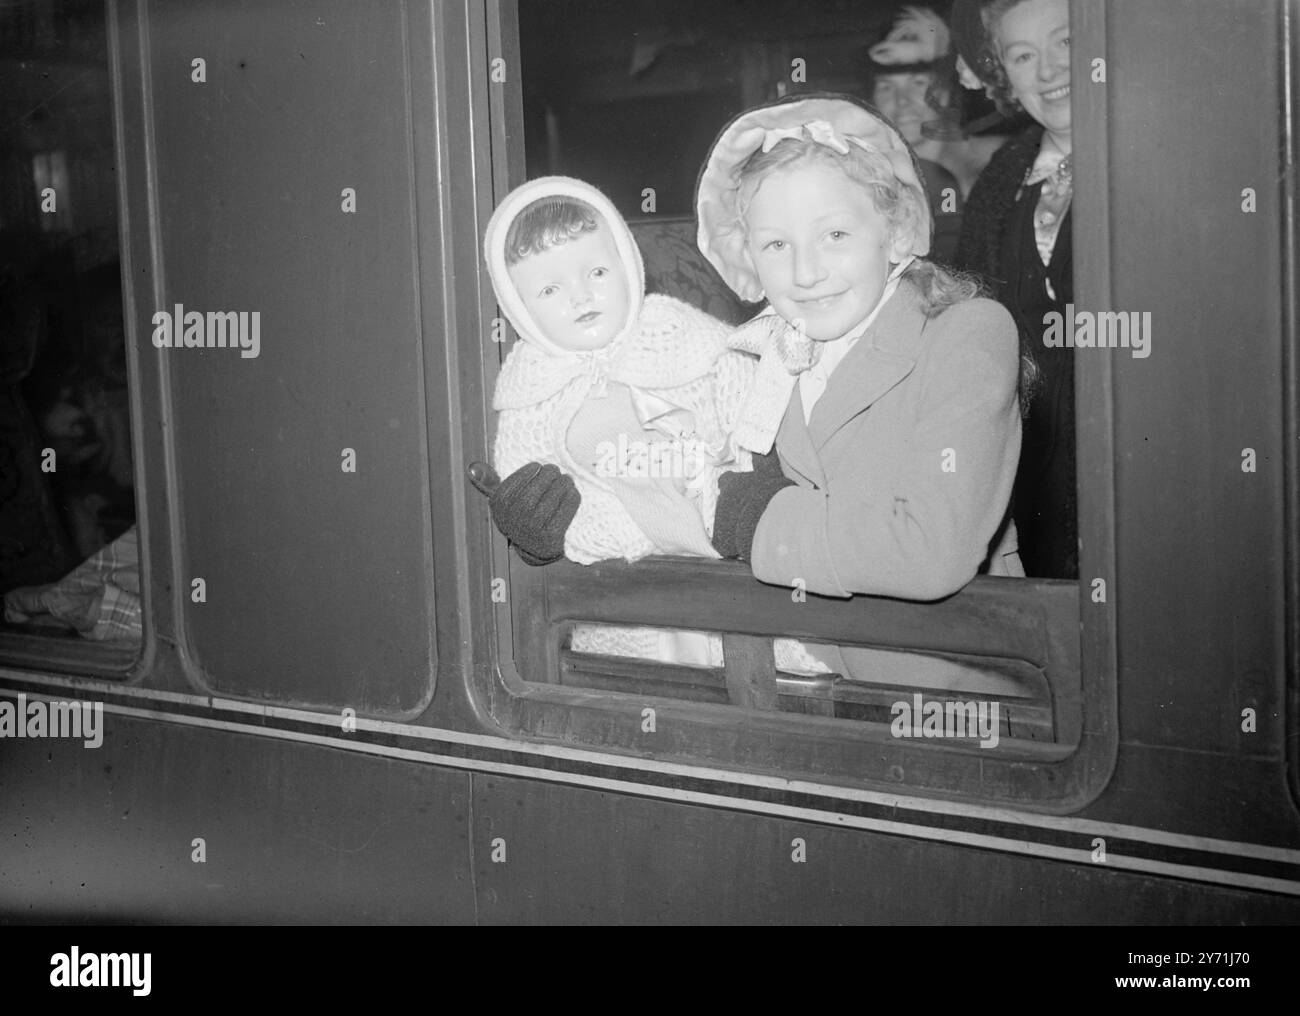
(675, 355)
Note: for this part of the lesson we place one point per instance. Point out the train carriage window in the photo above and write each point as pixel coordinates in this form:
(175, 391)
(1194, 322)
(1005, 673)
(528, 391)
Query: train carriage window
(275, 330)
(287, 328)
(69, 562)
(799, 683)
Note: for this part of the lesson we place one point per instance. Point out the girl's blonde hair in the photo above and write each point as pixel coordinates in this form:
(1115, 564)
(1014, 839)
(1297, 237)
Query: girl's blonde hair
(937, 286)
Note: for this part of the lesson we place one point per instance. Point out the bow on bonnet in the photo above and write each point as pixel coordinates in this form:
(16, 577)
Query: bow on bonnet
(817, 130)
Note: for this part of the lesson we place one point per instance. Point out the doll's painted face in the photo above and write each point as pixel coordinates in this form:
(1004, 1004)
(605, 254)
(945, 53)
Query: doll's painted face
(1033, 41)
(577, 292)
(821, 249)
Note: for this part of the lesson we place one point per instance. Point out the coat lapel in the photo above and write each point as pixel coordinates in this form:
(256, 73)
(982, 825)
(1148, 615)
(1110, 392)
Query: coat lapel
(874, 365)
(795, 447)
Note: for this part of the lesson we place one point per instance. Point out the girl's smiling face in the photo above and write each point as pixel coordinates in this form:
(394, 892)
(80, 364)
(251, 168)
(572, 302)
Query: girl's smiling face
(820, 248)
(1033, 41)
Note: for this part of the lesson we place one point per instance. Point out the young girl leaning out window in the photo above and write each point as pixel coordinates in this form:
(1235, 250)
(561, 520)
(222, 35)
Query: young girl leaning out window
(887, 385)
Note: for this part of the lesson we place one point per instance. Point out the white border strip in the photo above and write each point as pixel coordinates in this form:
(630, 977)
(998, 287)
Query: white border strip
(1081, 827)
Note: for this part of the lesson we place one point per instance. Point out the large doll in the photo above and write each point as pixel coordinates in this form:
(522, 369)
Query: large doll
(615, 407)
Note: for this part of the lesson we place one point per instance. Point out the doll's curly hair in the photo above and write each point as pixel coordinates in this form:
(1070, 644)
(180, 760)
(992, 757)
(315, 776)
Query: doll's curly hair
(548, 222)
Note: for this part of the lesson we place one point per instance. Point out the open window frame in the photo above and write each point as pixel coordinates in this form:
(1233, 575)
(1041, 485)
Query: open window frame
(1066, 629)
(142, 50)
(61, 650)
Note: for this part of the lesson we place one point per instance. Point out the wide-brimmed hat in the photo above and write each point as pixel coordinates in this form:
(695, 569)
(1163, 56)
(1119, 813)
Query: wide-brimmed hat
(833, 120)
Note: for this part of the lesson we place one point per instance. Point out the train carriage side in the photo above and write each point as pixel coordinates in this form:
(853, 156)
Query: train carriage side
(354, 703)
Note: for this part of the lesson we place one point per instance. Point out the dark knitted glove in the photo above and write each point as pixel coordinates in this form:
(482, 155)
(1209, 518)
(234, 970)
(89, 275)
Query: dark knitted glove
(742, 499)
(532, 507)
(766, 465)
